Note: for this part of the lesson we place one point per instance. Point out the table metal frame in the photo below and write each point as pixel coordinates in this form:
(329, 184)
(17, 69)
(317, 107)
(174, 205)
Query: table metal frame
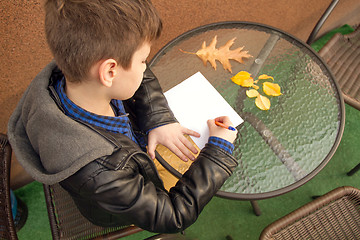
(271, 42)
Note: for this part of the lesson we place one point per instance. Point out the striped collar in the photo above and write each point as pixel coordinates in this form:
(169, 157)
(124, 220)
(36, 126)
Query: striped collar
(118, 124)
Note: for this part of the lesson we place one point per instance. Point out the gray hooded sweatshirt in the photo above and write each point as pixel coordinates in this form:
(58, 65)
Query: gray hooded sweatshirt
(38, 131)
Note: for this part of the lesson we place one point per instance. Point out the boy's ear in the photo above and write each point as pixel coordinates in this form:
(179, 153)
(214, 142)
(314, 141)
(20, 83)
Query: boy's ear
(108, 70)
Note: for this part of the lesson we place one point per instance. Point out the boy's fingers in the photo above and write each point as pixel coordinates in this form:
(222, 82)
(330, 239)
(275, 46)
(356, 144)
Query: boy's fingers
(224, 119)
(184, 150)
(178, 152)
(189, 145)
(191, 132)
(211, 122)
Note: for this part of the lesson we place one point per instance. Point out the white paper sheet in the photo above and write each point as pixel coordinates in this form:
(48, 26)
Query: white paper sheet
(194, 101)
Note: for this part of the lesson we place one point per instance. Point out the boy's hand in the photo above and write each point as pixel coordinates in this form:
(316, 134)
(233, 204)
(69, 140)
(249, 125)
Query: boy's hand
(172, 137)
(221, 132)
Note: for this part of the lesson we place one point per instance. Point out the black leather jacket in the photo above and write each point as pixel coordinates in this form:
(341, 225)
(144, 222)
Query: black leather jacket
(124, 188)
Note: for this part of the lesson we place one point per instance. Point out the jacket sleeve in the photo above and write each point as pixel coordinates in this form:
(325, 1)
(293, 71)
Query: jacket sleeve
(135, 199)
(148, 105)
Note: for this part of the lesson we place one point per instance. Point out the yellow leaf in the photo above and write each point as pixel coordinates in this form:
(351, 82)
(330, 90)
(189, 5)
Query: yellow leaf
(262, 102)
(255, 87)
(243, 78)
(264, 76)
(252, 93)
(271, 89)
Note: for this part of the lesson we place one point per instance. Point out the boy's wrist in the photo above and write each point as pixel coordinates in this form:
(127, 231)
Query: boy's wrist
(222, 143)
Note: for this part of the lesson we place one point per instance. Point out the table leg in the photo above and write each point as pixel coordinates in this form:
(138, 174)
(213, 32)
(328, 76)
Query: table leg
(292, 166)
(256, 207)
(354, 170)
(259, 126)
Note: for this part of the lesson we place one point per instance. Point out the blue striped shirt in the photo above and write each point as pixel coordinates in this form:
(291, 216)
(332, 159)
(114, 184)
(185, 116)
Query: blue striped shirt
(118, 124)
(226, 145)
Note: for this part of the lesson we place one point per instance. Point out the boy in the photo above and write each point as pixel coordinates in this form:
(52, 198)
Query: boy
(86, 119)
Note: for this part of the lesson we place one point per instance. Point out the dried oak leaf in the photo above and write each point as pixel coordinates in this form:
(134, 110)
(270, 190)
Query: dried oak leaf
(223, 54)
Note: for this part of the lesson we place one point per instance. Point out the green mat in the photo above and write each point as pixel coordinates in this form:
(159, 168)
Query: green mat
(318, 44)
(223, 218)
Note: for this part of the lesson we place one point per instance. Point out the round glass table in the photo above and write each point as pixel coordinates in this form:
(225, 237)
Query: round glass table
(282, 148)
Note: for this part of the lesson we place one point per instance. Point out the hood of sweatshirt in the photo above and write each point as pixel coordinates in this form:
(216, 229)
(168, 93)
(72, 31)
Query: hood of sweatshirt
(42, 136)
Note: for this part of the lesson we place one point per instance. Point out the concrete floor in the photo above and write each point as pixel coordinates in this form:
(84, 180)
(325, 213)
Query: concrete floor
(23, 49)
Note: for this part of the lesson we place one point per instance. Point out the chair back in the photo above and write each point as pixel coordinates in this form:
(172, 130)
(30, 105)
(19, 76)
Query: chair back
(335, 215)
(342, 54)
(66, 221)
(7, 228)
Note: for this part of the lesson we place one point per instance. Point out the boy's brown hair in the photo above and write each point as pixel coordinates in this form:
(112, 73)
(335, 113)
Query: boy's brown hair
(82, 32)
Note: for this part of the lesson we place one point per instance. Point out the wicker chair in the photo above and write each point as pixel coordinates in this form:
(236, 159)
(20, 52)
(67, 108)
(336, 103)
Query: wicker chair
(7, 228)
(335, 215)
(66, 221)
(342, 54)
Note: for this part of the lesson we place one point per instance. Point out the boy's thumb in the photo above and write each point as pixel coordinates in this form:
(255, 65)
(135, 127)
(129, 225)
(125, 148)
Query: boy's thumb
(151, 150)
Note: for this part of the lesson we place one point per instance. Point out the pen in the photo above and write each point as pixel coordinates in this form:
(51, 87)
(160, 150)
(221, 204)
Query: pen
(224, 126)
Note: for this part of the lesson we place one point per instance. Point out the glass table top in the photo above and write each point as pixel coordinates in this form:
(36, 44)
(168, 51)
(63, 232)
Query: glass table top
(279, 149)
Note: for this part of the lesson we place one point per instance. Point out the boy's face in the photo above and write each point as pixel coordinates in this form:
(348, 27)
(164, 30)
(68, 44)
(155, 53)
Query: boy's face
(128, 81)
